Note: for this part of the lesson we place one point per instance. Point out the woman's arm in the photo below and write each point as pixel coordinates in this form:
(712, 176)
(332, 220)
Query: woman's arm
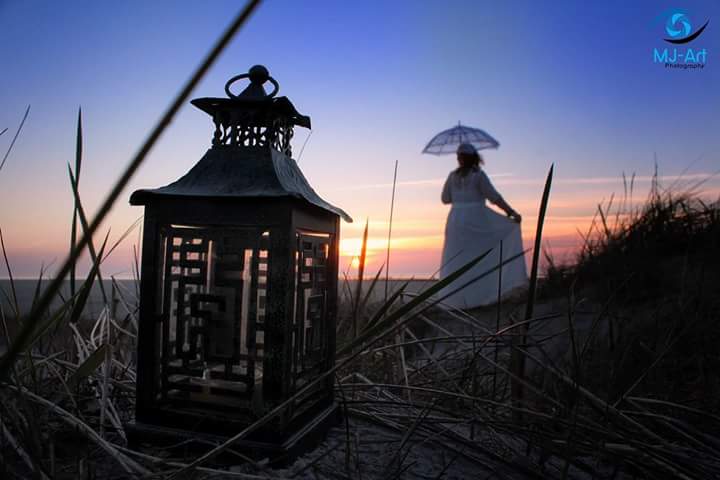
(445, 196)
(488, 190)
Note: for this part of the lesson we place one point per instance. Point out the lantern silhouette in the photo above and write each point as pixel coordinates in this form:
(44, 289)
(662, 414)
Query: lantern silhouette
(238, 284)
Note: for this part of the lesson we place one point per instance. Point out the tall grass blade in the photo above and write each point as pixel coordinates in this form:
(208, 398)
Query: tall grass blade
(392, 208)
(38, 284)
(538, 243)
(16, 306)
(497, 324)
(361, 276)
(371, 288)
(136, 267)
(606, 229)
(518, 357)
(122, 237)
(83, 222)
(78, 165)
(303, 146)
(12, 144)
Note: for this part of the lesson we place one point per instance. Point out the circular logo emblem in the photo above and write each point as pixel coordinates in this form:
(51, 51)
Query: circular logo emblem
(679, 28)
(678, 25)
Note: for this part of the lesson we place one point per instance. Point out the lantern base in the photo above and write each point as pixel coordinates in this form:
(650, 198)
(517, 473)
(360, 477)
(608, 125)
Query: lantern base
(304, 439)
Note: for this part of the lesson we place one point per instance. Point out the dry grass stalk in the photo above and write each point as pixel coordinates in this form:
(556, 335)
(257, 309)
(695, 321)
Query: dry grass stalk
(129, 465)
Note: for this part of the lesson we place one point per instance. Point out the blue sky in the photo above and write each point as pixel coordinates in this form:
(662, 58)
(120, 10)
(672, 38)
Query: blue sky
(564, 82)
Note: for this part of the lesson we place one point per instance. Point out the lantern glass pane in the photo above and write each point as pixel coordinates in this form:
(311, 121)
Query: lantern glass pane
(213, 282)
(309, 335)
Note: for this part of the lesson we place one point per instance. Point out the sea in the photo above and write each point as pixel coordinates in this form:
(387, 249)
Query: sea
(26, 293)
(127, 291)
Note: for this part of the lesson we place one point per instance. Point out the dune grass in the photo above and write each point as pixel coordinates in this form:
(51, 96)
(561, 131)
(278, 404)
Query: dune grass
(637, 397)
(638, 402)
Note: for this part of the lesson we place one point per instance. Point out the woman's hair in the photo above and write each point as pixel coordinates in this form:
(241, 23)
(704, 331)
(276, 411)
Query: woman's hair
(468, 163)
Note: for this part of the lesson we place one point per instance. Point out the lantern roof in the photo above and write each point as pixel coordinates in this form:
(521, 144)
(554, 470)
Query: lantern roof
(265, 173)
(250, 156)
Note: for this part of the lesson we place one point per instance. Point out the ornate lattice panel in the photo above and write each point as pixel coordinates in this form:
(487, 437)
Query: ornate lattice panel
(246, 132)
(309, 333)
(214, 283)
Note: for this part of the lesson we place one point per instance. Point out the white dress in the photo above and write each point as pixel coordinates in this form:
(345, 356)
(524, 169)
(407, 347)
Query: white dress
(472, 228)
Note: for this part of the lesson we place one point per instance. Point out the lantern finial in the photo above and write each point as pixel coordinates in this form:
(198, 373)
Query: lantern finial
(257, 75)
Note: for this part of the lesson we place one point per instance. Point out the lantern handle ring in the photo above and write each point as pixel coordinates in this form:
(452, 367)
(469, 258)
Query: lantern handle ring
(234, 79)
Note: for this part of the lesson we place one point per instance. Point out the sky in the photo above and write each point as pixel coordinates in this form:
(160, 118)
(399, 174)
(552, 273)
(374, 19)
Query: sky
(559, 82)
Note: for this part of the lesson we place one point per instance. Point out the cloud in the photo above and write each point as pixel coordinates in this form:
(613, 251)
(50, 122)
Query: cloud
(611, 180)
(410, 183)
(507, 179)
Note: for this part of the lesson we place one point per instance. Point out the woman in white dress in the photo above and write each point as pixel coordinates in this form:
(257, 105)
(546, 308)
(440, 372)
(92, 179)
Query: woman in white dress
(472, 229)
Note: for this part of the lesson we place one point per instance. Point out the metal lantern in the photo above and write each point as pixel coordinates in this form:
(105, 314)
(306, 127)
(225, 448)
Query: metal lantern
(239, 284)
